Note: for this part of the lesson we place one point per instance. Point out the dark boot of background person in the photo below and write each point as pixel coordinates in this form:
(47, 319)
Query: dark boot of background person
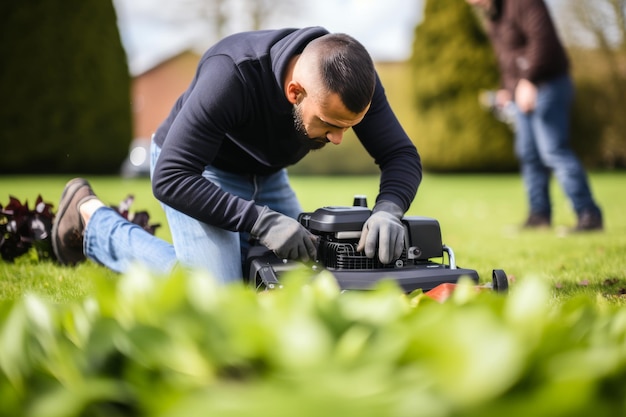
(589, 221)
(537, 221)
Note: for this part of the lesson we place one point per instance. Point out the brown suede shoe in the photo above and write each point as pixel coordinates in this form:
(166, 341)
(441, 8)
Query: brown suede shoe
(68, 227)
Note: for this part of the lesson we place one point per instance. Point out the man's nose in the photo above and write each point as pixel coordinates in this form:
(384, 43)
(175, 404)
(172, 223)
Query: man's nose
(335, 137)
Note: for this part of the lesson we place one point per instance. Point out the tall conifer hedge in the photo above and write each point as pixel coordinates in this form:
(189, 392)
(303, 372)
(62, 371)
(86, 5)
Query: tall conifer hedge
(64, 87)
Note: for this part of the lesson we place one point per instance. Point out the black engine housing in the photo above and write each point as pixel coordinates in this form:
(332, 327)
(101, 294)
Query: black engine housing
(339, 229)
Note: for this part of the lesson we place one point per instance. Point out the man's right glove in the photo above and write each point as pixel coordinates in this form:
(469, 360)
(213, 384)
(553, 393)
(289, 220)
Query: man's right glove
(383, 231)
(286, 237)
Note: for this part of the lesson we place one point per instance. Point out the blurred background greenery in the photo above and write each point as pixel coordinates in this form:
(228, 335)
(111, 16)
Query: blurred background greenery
(71, 104)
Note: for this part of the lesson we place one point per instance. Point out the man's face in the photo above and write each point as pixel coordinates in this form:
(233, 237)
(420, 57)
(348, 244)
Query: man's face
(324, 121)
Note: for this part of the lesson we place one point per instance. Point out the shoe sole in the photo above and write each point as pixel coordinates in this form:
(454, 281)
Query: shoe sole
(69, 191)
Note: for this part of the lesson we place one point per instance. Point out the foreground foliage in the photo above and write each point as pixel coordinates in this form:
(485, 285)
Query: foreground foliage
(183, 346)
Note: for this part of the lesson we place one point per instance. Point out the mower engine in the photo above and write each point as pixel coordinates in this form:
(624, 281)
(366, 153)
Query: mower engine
(421, 265)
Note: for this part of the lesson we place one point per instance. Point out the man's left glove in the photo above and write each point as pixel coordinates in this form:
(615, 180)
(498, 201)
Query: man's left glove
(383, 230)
(285, 236)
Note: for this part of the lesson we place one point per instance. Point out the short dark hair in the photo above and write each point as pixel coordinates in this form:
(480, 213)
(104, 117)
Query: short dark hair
(347, 69)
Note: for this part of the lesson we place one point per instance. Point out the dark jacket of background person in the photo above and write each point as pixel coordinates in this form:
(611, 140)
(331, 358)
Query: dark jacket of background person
(537, 58)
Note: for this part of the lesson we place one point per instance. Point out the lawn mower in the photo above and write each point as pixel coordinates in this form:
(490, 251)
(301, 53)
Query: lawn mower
(422, 264)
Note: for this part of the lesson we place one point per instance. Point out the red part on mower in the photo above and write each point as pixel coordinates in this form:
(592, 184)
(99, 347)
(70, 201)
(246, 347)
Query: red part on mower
(499, 283)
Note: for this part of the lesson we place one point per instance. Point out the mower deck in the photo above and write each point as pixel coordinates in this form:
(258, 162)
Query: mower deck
(338, 229)
(266, 270)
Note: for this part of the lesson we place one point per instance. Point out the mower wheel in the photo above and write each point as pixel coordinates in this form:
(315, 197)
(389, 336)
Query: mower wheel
(500, 281)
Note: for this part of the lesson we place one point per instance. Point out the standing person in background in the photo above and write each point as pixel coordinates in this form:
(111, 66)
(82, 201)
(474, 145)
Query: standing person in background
(534, 69)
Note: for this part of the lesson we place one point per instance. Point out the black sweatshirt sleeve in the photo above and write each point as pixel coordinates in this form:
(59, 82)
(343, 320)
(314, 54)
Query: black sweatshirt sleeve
(215, 104)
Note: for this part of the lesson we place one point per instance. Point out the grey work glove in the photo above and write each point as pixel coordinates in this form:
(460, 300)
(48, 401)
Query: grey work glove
(383, 230)
(286, 237)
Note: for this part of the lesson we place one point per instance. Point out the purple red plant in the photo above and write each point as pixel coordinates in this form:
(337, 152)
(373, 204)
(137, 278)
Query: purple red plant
(22, 228)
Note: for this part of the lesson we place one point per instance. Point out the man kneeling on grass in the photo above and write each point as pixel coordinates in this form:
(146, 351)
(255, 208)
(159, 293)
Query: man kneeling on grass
(260, 101)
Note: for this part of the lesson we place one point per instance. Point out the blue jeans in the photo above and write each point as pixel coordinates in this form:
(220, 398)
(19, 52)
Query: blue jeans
(117, 243)
(542, 147)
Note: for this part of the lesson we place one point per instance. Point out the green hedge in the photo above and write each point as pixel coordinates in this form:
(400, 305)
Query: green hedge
(183, 346)
(65, 88)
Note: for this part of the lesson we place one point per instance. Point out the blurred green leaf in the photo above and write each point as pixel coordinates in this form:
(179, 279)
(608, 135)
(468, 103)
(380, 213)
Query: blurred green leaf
(185, 346)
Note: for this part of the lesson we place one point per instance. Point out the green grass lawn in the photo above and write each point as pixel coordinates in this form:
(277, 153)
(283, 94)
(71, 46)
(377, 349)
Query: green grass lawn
(479, 217)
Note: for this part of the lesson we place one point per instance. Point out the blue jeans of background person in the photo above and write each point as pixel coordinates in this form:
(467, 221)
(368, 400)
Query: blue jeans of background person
(117, 243)
(543, 147)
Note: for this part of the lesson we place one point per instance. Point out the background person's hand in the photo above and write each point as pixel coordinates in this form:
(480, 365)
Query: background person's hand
(286, 237)
(526, 95)
(383, 231)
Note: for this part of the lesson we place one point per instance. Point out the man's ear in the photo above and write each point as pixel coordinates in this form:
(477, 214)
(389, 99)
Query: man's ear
(295, 92)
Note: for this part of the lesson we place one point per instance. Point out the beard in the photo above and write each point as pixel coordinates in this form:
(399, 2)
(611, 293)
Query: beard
(301, 134)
